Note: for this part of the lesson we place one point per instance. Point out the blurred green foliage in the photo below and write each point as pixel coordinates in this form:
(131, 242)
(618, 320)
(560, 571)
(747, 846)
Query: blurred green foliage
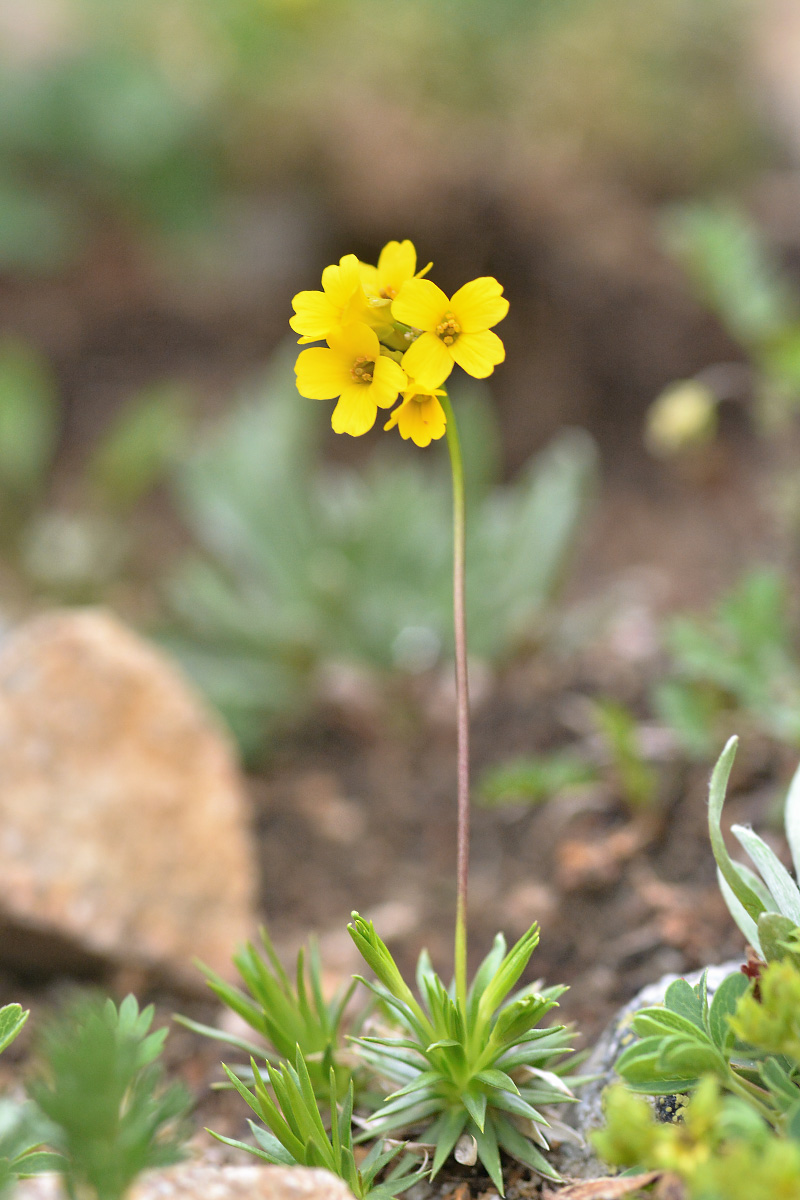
(732, 267)
(300, 565)
(102, 1087)
(73, 551)
(154, 114)
(741, 661)
(534, 780)
(614, 756)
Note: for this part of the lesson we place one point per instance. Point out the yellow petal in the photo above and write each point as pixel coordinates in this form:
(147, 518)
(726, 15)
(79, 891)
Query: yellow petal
(355, 341)
(420, 304)
(341, 281)
(356, 412)
(321, 374)
(393, 419)
(479, 304)
(478, 353)
(421, 421)
(388, 380)
(369, 277)
(315, 315)
(428, 424)
(428, 360)
(397, 263)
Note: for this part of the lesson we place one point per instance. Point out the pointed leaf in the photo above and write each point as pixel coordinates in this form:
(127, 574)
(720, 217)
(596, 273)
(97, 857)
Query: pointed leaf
(719, 782)
(445, 1132)
(773, 872)
(475, 1104)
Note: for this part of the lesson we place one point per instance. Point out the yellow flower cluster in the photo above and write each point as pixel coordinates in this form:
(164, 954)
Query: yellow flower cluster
(392, 333)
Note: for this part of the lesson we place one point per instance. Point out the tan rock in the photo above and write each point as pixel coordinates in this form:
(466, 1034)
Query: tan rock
(123, 822)
(205, 1181)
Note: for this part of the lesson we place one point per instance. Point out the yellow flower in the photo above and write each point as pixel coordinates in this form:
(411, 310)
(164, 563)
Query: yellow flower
(420, 417)
(453, 331)
(341, 301)
(352, 368)
(396, 265)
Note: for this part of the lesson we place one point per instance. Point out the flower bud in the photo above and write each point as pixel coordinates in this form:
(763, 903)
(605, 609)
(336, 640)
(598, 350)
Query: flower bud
(684, 415)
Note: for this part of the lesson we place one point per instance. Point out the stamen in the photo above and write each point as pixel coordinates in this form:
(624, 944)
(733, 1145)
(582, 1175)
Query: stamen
(362, 370)
(449, 329)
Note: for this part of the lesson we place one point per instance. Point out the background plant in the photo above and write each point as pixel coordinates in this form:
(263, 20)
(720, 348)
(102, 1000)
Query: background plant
(291, 1018)
(614, 754)
(738, 663)
(300, 565)
(101, 1087)
(24, 1132)
(720, 1149)
(74, 551)
(296, 1135)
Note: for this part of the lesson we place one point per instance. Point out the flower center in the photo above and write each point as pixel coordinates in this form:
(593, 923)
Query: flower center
(448, 329)
(388, 293)
(362, 370)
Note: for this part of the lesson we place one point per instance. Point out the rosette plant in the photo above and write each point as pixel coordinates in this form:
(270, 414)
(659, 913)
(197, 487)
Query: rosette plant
(470, 1066)
(474, 1065)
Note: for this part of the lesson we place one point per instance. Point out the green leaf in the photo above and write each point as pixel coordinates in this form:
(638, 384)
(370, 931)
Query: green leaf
(661, 1021)
(719, 782)
(219, 1035)
(445, 1132)
(142, 443)
(497, 1079)
(723, 1006)
(488, 1153)
(773, 872)
(791, 820)
(12, 1019)
(475, 1104)
(774, 931)
(28, 419)
(523, 1149)
(681, 998)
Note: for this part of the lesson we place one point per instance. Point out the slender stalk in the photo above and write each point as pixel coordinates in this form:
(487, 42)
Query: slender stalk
(462, 696)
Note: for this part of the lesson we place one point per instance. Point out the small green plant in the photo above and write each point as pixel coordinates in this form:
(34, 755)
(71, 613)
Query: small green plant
(300, 565)
(739, 662)
(101, 1087)
(534, 780)
(687, 1038)
(615, 755)
(766, 905)
(73, 553)
(743, 1055)
(720, 1149)
(290, 1018)
(473, 1065)
(297, 1136)
(24, 1138)
(737, 1058)
(23, 1131)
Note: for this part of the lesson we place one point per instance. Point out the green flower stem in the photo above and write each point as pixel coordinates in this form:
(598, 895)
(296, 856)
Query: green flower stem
(462, 696)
